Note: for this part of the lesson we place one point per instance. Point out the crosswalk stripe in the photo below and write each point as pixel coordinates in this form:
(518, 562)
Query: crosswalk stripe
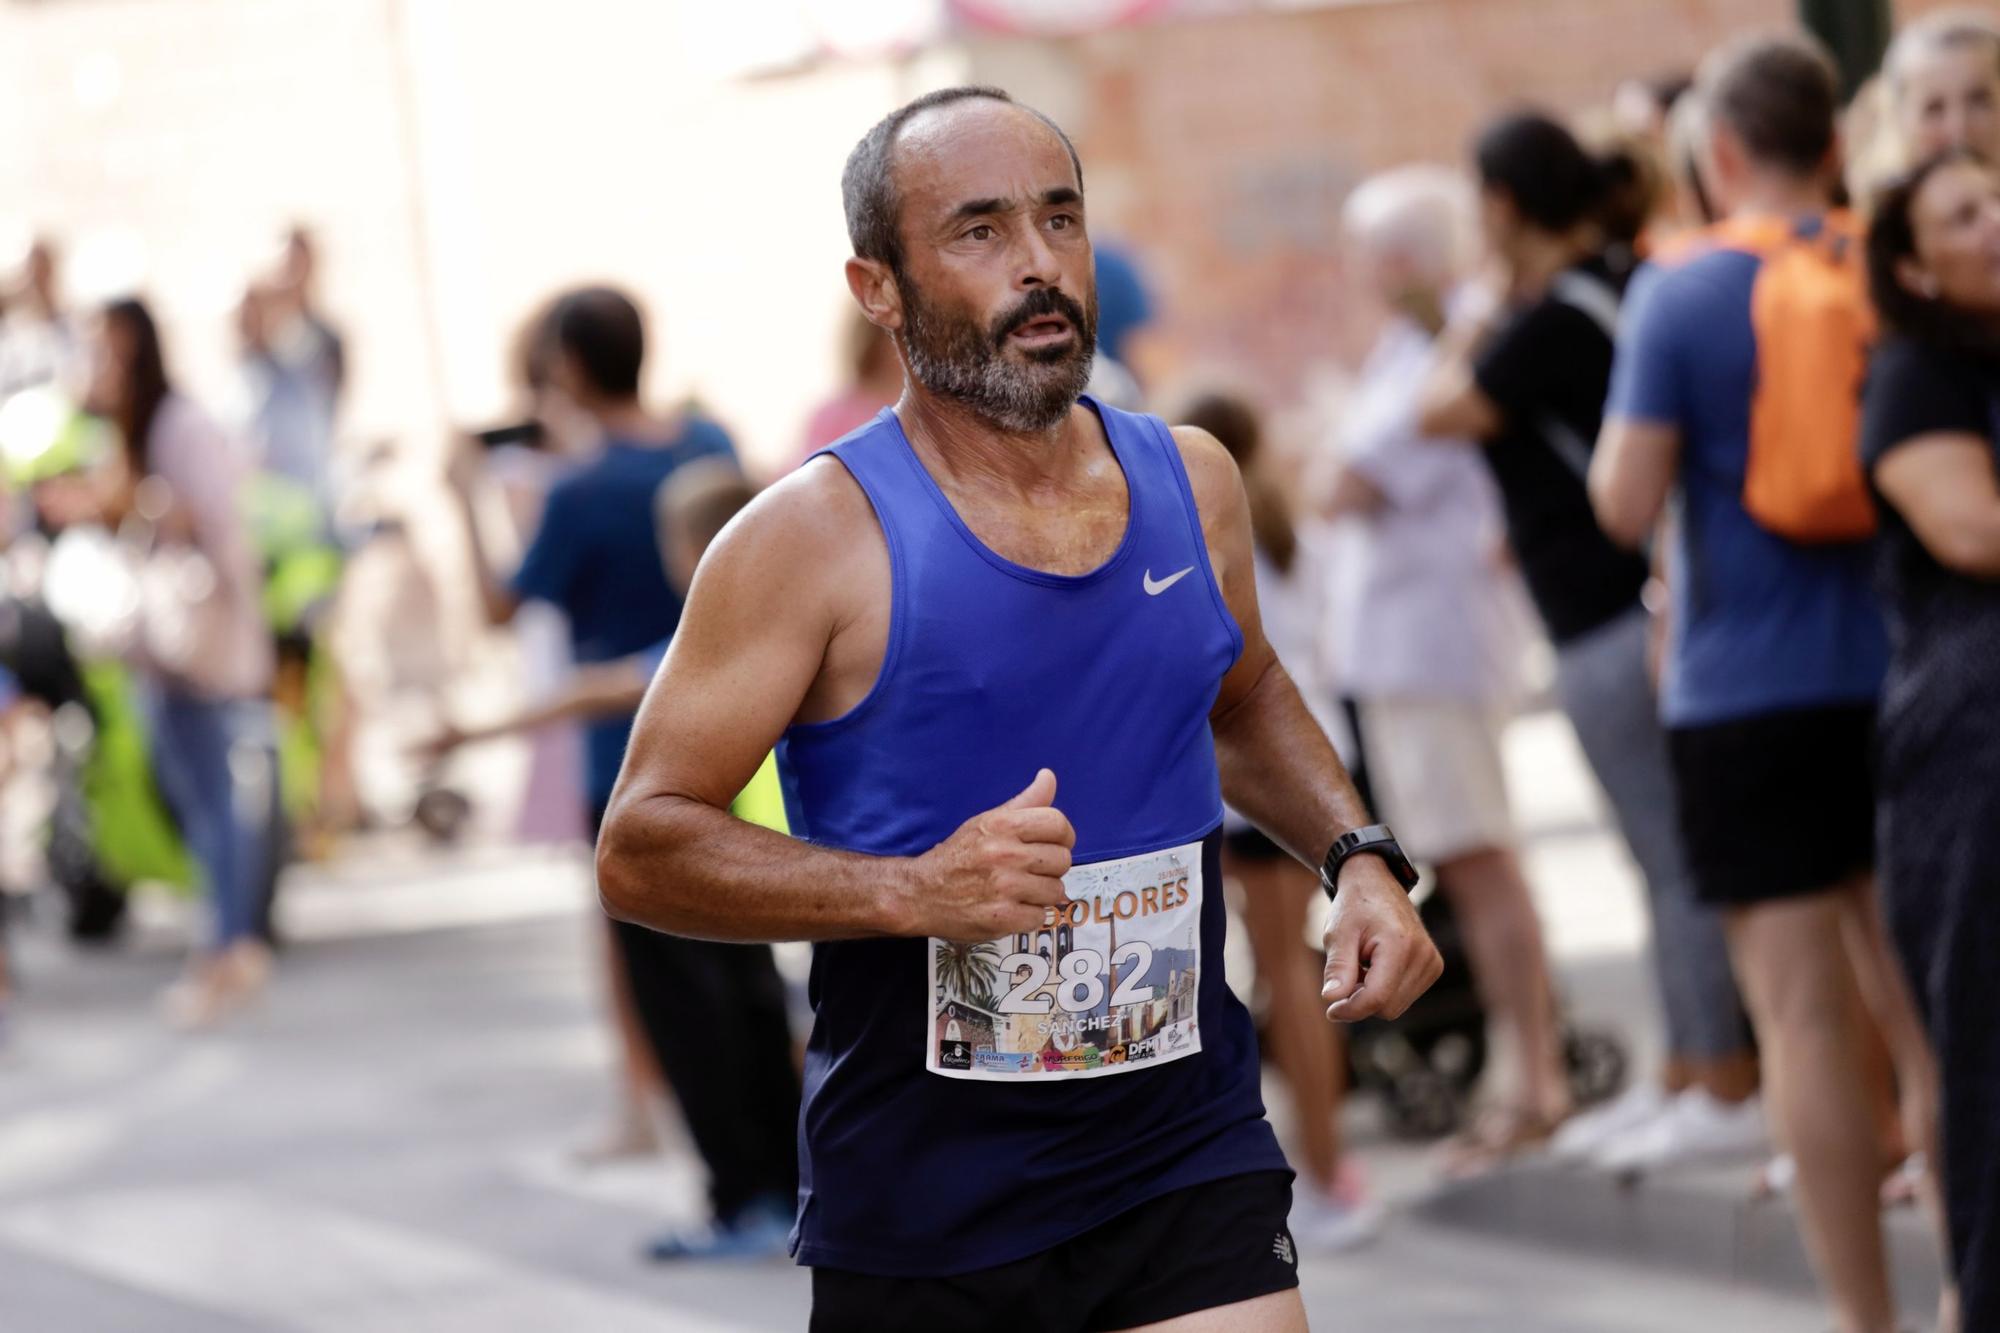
(246, 1252)
(41, 1146)
(534, 889)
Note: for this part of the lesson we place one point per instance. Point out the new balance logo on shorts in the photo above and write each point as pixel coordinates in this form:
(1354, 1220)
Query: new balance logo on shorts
(1281, 1245)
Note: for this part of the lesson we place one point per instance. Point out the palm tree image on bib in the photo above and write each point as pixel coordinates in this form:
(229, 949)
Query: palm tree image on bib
(1108, 982)
(967, 971)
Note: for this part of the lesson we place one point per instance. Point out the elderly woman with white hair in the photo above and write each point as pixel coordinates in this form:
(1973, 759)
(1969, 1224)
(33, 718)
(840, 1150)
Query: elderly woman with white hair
(1423, 637)
(1943, 79)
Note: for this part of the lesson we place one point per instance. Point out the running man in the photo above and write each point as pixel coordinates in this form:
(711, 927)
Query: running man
(1009, 636)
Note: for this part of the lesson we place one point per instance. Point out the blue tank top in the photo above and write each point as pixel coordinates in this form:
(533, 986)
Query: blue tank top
(968, 1105)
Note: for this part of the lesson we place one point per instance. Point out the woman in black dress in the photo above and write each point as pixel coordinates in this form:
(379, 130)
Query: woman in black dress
(1932, 446)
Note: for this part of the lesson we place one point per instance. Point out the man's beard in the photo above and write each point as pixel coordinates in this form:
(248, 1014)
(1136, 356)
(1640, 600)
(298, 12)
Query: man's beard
(953, 357)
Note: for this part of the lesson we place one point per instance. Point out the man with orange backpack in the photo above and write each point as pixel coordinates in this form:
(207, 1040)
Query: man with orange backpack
(1737, 379)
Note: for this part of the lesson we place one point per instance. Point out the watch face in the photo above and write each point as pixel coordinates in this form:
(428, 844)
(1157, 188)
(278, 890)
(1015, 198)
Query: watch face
(1405, 872)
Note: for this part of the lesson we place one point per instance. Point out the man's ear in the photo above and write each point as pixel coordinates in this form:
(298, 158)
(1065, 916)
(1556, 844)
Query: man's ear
(1726, 162)
(875, 291)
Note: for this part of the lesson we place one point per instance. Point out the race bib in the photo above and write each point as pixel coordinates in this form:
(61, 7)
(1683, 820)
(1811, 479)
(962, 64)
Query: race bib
(1108, 986)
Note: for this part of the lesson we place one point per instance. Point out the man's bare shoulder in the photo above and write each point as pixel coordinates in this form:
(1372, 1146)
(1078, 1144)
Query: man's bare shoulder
(1212, 474)
(798, 552)
(816, 505)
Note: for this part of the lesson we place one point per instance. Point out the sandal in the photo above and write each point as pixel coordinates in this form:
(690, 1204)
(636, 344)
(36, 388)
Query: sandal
(1498, 1134)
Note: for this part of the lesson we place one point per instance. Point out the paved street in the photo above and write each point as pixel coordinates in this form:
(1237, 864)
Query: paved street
(383, 1144)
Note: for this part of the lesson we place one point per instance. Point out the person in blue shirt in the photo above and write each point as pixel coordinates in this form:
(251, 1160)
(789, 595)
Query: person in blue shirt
(690, 508)
(1124, 304)
(1009, 636)
(1775, 658)
(596, 556)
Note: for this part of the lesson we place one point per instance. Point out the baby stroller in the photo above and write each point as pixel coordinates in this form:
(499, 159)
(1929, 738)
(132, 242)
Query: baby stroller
(108, 827)
(1426, 1063)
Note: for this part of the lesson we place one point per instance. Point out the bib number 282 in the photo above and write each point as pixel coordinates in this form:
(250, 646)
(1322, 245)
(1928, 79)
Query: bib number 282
(1080, 982)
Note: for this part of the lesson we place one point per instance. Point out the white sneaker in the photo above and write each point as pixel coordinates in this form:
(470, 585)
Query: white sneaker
(1696, 1127)
(1776, 1177)
(1581, 1136)
(1324, 1223)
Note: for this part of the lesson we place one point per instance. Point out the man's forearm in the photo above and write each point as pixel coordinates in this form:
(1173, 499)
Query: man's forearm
(1281, 772)
(678, 865)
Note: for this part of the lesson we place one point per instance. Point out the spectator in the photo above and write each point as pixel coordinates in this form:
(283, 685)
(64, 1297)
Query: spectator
(1331, 1211)
(1124, 304)
(595, 556)
(742, 1111)
(1528, 382)
(38, 338)
(875, 378)
(1640, 155)
(1777, 648)
(523, 462)
(1634, 198)
(1943, 73)
(207, 649)
(1420, 637)
(1642, 108)
(692, 507)
(593, 553)
(295, 369)
(1125, 313)
(1933, 447)
(289, 418)
(295, 290)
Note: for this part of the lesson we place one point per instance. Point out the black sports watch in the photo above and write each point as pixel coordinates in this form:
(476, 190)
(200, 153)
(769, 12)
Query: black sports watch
(1368, 840)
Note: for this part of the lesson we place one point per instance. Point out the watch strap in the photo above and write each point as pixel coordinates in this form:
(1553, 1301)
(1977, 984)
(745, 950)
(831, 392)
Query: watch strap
(1368, 840)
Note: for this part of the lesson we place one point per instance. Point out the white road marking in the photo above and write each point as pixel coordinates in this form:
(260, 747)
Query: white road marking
(532, 888)
(250, 1254)
(669, 1186)
(40, 1147)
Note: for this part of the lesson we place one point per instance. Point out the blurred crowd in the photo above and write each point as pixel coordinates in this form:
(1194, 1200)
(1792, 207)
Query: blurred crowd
(1680, 417)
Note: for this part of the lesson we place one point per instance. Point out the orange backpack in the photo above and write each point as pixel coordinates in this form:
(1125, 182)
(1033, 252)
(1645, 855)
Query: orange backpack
(1814, 326)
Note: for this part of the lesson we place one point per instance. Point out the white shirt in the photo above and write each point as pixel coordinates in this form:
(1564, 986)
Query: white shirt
(1291, 604)
(1418, 598)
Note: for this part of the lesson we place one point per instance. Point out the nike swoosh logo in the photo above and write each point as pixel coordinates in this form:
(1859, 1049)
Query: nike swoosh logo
(1155, 589)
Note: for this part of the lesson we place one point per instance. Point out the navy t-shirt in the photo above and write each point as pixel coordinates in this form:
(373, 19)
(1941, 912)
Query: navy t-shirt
(596, 556)
(1760, 625)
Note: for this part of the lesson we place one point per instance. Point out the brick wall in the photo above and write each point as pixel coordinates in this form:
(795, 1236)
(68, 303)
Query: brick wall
(1222, 151)
(460, 159)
